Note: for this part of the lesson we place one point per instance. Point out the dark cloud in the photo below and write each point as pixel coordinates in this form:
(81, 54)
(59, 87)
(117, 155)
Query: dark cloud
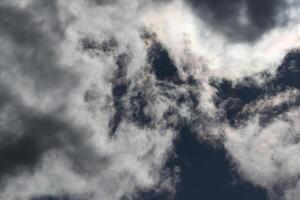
(139, 102)
(95, 47)
(40, 133)
(225, 16)
(119, 81)
(22, 26)
(62, 197)
(35, 50)
(104, 2)
(119, 88)
(109, 2)
(35, 44)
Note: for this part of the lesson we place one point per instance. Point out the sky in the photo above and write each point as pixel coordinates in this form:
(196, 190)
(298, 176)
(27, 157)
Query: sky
(149, 100)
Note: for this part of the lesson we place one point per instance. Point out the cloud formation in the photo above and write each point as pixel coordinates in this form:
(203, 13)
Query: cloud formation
(241, 20)
(99, 98)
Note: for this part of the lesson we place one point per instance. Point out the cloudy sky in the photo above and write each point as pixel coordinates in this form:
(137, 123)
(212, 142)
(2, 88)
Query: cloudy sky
(149, 100)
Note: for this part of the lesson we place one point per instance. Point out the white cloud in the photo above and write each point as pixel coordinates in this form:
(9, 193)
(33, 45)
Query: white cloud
(267, 155)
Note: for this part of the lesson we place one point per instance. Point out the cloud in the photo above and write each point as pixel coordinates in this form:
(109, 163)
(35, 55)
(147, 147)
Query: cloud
(94, 94)
(262, 128)
(55, 110)
(240, 20)
(266, 154)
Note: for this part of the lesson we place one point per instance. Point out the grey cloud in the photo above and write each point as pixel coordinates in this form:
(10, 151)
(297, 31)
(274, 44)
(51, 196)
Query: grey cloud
(226, 16)
(155, 100)
(40, 133)
(104, 2)
(34, 48)
(34, 35)
(35, 43)
(107, 2)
